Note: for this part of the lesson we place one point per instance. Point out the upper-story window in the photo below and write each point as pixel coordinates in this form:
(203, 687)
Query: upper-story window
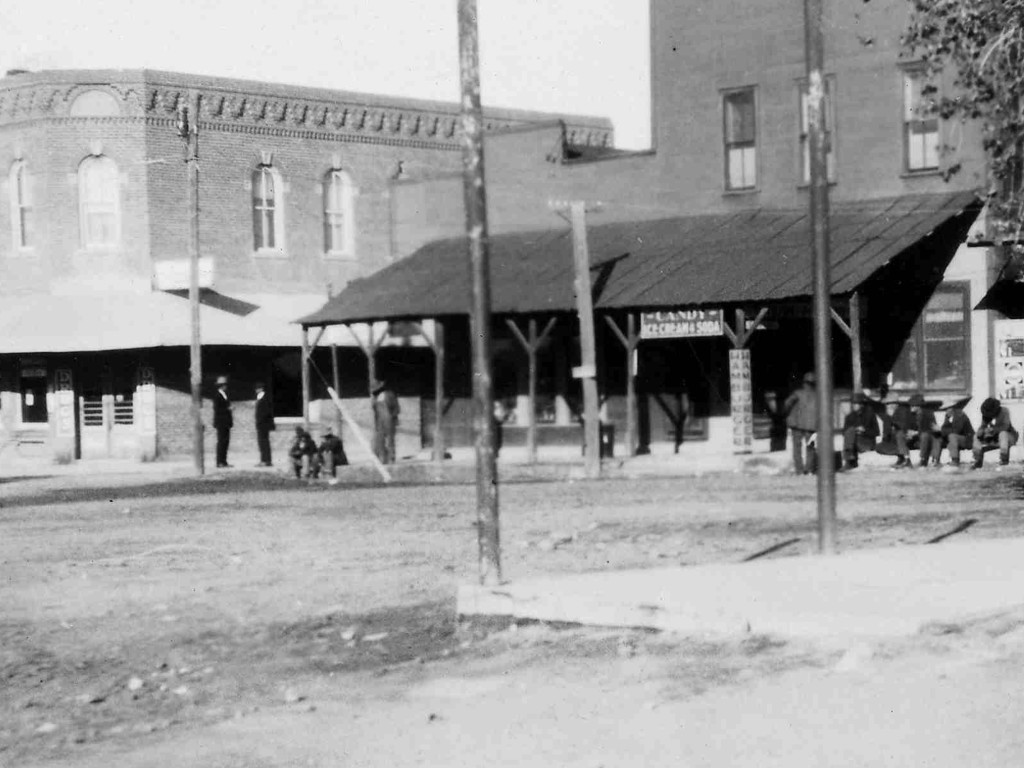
(94, 103)
(21, 206)
(740, 134)
(338, 219)
(920, 125)
(99, 201)
(829, 131)
(267, 209)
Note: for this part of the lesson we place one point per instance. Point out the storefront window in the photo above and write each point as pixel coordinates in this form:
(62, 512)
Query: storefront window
(936, 356)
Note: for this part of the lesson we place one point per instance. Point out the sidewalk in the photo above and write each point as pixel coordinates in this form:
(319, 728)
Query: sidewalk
(692, 459)
(889, 592)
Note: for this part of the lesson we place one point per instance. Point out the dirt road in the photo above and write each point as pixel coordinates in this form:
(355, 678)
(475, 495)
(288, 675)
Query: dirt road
(244, 620)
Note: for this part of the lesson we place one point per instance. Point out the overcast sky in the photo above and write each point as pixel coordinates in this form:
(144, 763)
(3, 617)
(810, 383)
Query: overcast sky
(577, 56)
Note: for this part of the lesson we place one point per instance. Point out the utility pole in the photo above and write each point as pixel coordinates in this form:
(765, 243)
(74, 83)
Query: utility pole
(815, 60)
(475, 198)
(188, 130)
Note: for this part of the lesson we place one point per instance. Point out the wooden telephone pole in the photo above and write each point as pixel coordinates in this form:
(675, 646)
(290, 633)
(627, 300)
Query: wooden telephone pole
(188, 130)
(815, 56)
(480, 318)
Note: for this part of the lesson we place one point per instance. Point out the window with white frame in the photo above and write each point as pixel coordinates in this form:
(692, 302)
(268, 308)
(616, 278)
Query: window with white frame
(828, 124)
(740, 133)
(99, 202)
(21, 206)
(920, 124)
(267, 209)
(338, 219)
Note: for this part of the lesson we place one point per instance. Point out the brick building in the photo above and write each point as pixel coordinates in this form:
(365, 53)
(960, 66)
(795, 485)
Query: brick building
(296, 201)
(729, 140)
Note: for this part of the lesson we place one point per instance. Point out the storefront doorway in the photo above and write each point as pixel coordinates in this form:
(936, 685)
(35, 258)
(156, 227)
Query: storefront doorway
(106, 410)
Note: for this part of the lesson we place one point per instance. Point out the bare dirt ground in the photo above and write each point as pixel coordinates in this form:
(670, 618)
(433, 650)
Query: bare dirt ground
(246, 620)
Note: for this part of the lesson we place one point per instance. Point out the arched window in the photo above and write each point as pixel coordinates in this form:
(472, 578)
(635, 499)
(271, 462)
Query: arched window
(99, 202)
(338, 219)
(21, 205)
(94, 103)
(267, 209)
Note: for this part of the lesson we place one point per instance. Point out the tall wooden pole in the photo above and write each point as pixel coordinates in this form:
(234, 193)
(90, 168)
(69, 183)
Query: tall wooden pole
(476, 228)
(815, 60)
(188, 129)
(588, 340)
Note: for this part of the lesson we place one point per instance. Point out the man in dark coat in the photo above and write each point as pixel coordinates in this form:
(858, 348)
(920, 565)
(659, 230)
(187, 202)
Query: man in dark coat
(264, 424)
(994, 432)
(223, 421)
(860, 431)
(332, 452)
(385, 421)
(957, 433)
(801, 409)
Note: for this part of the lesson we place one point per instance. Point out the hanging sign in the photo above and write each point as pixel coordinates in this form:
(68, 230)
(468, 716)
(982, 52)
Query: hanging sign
(680, 324)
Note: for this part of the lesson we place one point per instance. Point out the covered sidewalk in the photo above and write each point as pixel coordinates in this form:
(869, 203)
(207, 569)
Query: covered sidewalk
(754, 264)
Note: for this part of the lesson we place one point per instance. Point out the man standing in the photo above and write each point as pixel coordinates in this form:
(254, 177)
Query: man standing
(385, 421)
(222, 421)
(264, 424)
(801, 409)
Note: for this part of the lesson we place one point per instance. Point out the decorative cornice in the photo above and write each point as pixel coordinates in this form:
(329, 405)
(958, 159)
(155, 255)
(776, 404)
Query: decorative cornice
(251, 112)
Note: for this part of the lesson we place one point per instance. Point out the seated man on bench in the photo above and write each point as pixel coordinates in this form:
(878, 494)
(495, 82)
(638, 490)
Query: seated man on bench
(860, 431)
(995, 431)
(957, 433)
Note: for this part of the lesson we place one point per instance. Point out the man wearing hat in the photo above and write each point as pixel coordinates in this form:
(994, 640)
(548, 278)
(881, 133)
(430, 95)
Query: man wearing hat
(222, 420)
(264, 424)
(860, 431)
(385, 421)
(928, 431)
(801, 409)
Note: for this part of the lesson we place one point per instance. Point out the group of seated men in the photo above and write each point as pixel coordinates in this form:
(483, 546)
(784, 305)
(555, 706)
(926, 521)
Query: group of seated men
(914, 424)
(309, 459)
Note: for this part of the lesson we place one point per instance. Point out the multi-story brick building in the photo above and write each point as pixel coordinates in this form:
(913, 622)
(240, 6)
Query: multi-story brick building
(295, 198)
(729, 136)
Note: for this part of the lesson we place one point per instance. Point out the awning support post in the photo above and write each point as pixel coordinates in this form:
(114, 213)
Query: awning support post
(588, 340)
(336, 378)
(436, 344)
(855, 342)
(742, 334)
(852, 331)
(304, 368)
(530, 344)
(629, 340)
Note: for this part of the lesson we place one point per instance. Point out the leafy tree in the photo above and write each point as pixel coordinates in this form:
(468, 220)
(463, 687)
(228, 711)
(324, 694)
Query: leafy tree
(979, 45)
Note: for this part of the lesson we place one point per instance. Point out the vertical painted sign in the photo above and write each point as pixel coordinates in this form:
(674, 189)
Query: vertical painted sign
(65, 402)
(742, 401)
